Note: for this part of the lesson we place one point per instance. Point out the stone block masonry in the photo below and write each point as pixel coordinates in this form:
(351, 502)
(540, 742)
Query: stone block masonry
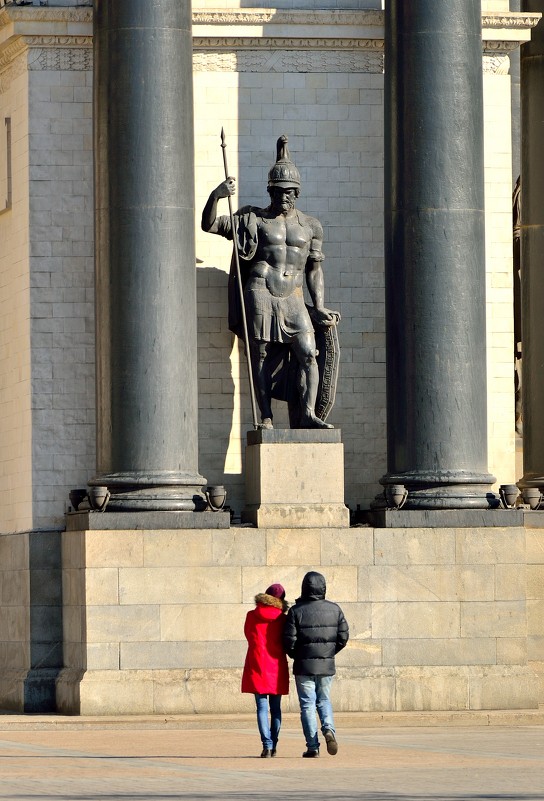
(61, 283)
(47, 393)
(153, 620)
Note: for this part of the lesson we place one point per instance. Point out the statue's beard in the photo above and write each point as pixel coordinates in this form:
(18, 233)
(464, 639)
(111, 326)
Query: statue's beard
(287, 204)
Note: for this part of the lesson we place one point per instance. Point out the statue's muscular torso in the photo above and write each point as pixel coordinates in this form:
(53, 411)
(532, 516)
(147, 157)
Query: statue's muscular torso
(284, 244)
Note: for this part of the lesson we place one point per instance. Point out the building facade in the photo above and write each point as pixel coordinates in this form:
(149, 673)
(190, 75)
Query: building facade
(316, 74)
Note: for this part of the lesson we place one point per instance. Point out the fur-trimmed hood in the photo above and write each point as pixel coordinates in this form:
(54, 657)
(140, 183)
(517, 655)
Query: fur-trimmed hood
(269, 600)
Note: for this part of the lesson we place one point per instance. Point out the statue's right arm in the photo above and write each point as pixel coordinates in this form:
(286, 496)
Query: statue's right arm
(209, 215)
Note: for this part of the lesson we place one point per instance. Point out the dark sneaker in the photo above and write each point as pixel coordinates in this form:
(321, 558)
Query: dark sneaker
(330, 739)
(311, 753)
(273, 752)
(265, 753)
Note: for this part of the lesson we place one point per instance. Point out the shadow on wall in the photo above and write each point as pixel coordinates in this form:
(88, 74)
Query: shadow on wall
(46, 657)
(221, 365)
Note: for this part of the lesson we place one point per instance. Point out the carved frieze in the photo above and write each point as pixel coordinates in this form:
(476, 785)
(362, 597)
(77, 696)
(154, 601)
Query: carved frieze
(284, 42)
(286, 60)
(496, 65)
(61, 58)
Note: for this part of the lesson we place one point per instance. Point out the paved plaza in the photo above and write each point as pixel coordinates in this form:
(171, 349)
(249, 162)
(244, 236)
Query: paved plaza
(82, 759)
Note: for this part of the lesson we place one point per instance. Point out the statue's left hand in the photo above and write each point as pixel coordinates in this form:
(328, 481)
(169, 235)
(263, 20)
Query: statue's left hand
(326, 317)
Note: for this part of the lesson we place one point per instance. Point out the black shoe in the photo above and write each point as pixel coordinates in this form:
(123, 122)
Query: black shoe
(273, 752)
(265, 753)
(330, 739)
(311, 753)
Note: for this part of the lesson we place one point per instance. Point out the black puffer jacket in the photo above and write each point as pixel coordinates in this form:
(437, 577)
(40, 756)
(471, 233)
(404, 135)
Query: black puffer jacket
(315, 630)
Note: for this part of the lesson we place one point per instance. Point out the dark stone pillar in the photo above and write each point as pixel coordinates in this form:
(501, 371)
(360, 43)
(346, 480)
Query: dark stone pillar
(147, 440)
(434, 253)
(532, 250)
(515, 104)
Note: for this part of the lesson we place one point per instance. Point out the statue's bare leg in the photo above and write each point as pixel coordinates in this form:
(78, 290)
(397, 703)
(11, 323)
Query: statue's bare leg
(304, 349)
(262, 379)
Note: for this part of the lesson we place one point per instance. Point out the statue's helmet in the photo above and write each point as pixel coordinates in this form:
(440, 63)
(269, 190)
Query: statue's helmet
(284, 173)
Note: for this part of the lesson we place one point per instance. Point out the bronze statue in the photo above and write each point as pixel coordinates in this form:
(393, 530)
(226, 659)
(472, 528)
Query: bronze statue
(278, 247)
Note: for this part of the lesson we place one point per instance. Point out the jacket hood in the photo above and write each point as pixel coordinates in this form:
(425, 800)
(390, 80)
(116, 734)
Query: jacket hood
(314, 586)
(269, 600)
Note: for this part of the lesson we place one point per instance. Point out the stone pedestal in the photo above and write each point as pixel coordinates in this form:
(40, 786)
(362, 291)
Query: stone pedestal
(295, 479)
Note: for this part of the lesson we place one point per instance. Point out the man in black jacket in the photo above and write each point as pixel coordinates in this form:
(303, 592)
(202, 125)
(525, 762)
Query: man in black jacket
(314, 632)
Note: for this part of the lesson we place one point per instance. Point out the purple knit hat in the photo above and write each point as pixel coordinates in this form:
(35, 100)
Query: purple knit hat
(276, 590)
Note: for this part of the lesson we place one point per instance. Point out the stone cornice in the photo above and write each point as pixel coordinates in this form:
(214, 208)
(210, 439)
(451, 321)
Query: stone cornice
(264, 16)
(11, 51)
(253, 29)
(510, 19)
(258, 16)
(11, 14)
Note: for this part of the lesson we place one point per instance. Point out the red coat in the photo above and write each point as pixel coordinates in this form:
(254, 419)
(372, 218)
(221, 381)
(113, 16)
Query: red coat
(265, 668)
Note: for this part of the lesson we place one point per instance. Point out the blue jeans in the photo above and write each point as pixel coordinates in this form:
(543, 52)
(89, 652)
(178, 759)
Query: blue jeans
(314, 693)
(269, 731)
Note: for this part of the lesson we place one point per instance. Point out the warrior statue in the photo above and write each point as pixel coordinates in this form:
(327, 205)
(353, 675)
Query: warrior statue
(277, 247)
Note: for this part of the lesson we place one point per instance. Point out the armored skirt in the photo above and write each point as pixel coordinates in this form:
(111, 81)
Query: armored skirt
(275, 319)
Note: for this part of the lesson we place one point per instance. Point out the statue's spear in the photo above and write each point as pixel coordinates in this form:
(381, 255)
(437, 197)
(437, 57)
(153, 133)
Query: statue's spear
(240, 290)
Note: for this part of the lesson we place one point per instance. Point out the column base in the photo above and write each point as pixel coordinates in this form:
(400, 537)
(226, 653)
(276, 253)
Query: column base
(441, 490)
(153, 491)
(532, 479)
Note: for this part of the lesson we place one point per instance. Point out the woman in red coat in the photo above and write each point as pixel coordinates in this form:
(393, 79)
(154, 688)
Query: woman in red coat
(266, 674)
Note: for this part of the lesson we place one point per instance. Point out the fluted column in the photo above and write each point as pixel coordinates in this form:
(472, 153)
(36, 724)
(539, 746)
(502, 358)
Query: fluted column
(532, 250)
(147, 435)
(434, 253)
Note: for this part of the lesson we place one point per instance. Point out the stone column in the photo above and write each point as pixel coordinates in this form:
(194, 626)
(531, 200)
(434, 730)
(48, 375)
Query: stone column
(532, 248)
(434, 253)
(147, 441)
(515, 103)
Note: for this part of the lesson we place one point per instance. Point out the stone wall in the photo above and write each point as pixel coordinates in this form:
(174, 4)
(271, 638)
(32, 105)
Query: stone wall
(153, 620)
(535, 602)
(15, 343)
(47, 393)
(14, 619)
(31, 651)
(61, 277)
